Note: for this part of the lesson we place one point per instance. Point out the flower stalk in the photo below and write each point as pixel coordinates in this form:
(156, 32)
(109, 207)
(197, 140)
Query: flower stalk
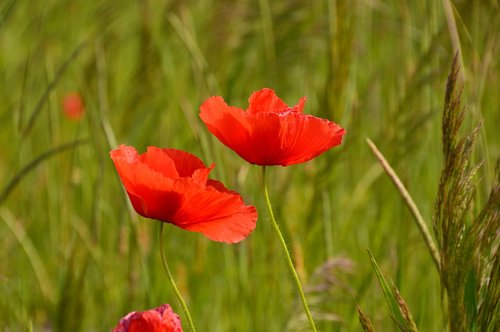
(286, 251)
(172, 282)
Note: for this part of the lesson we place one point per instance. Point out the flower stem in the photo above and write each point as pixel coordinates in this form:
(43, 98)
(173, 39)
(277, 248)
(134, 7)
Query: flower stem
(287, 252)
(172, 282)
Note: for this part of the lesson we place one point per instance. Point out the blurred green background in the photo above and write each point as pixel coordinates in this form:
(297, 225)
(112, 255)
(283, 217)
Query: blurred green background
(74, 257)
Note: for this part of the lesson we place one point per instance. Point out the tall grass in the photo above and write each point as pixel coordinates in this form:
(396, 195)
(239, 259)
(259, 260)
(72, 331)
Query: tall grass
(468, 246)
(76, 258)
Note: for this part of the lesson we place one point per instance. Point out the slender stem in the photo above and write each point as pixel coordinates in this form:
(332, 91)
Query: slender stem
(422, 226)
(172, 282)
(287, 252)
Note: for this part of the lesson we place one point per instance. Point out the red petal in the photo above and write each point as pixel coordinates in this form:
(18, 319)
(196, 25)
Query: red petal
(160, 319)
(169, 318)
(260, 145)
(227, 123)
(288, 138)
(155, 204)
(264, 146)
(126, 153)
(266, 100)
(229, 229)
(201, 175)
(147, 188)
(220, 215)
(149, 321)
(185, 163)
(219, 186)
(158, 160)
(300, 105)
(132, 170)
(303, 137)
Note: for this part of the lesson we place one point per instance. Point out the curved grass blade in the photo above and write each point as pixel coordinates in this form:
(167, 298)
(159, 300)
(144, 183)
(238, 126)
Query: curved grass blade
(52, 84)
(422, 226)
(35, 162)
(34, 258)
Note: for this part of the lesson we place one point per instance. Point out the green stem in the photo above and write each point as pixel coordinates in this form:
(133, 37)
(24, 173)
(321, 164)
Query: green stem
(287, 252)
(422, 225)
(172, 282)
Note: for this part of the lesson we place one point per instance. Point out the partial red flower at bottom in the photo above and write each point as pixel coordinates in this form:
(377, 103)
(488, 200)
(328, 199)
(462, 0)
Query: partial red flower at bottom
(173, 186)
(73, 106)
(270, 132)
(160, 319)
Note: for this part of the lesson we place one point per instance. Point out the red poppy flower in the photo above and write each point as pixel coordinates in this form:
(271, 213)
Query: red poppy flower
(269, 132)
(161, 319)
(173, 186)
(73, 106)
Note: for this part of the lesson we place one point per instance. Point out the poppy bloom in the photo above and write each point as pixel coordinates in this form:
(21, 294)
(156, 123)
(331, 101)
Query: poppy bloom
(161, 319)
(269, 132)
(173, 186)
(73, 106)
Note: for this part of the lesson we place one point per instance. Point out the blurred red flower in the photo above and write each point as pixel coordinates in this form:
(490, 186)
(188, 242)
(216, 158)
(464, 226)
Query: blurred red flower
(161, 319)
(73, 106)
(269, 132)
(173, 186)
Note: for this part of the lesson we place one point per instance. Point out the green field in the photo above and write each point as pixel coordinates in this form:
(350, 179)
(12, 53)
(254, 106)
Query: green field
(76, 257)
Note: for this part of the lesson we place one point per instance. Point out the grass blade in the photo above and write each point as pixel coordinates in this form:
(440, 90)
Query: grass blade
(452, 210)
(422, 226)
(35, 162)
(36, 261)
(52, 84)
(485, 233)
(400, 311)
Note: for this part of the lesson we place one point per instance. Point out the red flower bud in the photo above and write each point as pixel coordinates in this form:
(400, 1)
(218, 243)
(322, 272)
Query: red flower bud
(73, 106)
(160, 319)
